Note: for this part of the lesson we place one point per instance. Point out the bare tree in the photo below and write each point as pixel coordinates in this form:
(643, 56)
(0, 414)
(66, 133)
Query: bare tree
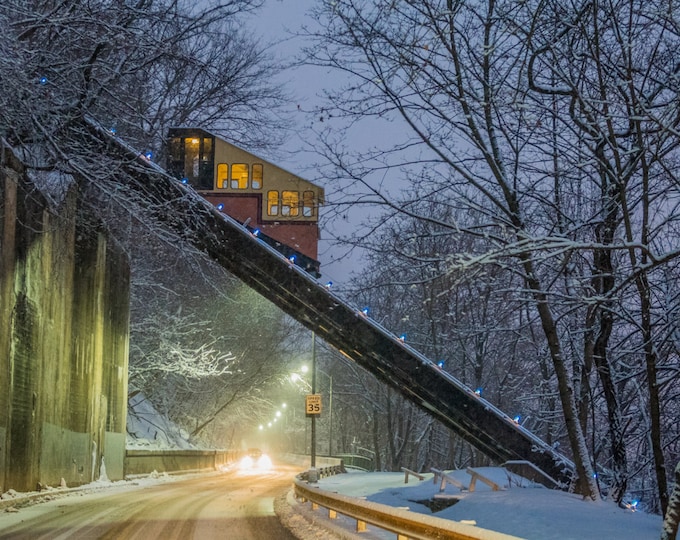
(550, 129)
(136, 68)
(202, 344)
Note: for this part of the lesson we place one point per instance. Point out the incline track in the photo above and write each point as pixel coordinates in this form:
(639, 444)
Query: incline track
(344, 327)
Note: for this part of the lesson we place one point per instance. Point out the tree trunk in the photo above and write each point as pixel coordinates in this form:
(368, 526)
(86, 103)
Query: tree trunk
(603, 283)
(376, 439)
(585, 481)
(670, 523)
(653, 388)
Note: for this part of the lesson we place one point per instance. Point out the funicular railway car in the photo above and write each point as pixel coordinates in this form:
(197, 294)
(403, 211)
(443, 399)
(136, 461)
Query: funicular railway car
(278, 206)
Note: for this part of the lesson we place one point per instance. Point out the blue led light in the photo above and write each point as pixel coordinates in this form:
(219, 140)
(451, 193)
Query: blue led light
(365, 311)
(256, 232)
(478, 391)
(184, 180)
(220, 207)
(43, 80)
(440, 364)
(148, 155)
(292, 258)
(329, 284)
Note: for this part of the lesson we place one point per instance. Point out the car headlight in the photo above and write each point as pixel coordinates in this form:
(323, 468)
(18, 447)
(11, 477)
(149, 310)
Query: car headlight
(264, 463)
(247, 462)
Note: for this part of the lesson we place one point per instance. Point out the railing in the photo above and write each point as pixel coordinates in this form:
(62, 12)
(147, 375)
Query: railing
(409, 472)
(321, 472)
(357, 462)
(405, 524)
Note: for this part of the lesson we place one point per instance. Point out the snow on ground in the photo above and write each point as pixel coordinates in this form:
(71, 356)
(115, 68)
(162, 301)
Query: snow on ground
(531, 512)
(29, 502)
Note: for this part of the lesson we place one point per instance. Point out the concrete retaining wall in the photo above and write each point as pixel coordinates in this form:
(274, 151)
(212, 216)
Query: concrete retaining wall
(143, 462)
(64, 315)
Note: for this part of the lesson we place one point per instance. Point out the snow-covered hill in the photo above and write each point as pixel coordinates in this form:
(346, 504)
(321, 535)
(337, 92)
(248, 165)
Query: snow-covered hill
(148, 429)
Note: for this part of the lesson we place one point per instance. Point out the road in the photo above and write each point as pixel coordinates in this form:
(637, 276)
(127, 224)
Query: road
(233, 505)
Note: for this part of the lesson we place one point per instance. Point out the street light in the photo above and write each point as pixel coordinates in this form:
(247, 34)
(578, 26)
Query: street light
(297, 378)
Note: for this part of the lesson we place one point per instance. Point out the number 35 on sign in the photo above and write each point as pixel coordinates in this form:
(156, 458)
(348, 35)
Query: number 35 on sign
(313, 404)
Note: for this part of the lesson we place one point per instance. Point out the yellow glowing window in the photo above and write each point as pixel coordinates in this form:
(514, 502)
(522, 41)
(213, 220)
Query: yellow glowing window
(273, 203)
(256, 182)
(191, 153)
(239, 176)
(290, 203)
(222, 175)
(308, 203)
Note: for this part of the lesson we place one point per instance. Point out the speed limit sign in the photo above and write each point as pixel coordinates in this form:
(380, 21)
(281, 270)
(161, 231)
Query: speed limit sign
(313, 404)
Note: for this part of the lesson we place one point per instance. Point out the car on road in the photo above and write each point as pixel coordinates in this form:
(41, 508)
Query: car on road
(255, 460)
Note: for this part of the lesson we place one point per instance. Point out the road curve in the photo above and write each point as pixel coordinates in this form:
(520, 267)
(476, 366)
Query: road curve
(232, 505)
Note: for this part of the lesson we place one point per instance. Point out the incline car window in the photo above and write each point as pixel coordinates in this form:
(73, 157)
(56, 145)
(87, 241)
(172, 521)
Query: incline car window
(308, 204)
(290, 201)
(222, 172)
(191, 163)
(239, 176)
(273, 203)
(257, 176)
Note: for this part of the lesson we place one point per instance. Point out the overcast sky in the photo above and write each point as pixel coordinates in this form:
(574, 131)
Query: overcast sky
(278, 21)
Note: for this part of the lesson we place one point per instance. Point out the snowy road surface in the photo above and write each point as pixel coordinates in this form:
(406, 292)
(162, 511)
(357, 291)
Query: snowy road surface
(234, 505)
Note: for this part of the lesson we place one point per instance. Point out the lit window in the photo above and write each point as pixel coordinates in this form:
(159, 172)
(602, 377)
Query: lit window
(176, 148)
(290, 203)
(191, 152)
(308, 204)
(273, 203)
(222, 175)
(207, 148)
(239, 176)
(257, 176)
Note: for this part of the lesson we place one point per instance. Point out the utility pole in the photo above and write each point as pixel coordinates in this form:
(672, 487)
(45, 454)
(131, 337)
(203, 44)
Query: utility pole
(313, 457)
(330, 416)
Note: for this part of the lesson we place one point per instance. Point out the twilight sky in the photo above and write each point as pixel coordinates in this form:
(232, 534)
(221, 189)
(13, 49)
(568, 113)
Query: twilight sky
(277, 21)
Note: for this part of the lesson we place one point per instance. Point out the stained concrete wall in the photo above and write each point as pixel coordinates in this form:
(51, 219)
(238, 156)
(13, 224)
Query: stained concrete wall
(143, 462)
(64, 331)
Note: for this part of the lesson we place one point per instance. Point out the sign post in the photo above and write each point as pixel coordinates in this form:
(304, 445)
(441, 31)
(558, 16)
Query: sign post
(313, 402)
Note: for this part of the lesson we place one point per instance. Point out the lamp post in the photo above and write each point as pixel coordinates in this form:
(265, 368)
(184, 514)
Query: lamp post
(313, 450)
(316, 370)
(313, 407)
(330, 415)
(330, 409)
(296, 378)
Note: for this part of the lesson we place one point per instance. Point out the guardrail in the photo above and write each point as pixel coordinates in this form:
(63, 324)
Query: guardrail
(357, 461)
(403, 523)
